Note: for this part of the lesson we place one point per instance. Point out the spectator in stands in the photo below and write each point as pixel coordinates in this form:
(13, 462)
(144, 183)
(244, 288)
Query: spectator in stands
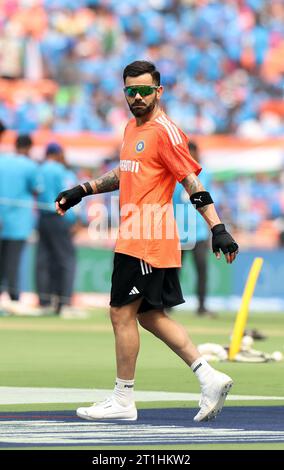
(19, 183)
(221, 77)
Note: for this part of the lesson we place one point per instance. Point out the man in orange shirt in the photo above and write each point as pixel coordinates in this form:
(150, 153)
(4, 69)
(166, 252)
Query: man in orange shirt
(154, 156)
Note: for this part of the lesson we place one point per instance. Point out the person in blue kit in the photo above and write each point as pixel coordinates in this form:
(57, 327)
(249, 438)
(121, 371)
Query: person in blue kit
(2, 132)
(194, 235)
(2, 129)
(17, 213)
(56, 255)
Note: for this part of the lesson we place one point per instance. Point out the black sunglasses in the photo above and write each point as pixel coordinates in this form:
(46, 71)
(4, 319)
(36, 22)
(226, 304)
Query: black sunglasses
(142, 90)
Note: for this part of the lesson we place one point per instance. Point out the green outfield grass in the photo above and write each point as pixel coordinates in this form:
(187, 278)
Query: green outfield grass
(51, 352)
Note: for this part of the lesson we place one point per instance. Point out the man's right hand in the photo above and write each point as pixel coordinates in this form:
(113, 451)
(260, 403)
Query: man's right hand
(69, 198)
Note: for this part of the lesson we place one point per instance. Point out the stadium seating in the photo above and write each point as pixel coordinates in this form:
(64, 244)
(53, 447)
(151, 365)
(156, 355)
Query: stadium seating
(220, 61)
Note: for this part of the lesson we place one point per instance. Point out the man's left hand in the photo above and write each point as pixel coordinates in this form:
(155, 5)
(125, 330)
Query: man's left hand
(222, 240)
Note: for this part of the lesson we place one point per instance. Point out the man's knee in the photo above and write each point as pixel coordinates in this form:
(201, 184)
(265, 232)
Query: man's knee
(125, 314)
(115, 314)
(145, 320)
(120, 316)
(151, 319)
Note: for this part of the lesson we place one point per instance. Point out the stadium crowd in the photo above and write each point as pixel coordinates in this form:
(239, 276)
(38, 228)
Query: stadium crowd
(256, 209)
(221, 62)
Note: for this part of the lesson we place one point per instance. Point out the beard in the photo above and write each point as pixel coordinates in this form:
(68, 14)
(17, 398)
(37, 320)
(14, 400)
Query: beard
(140, 109)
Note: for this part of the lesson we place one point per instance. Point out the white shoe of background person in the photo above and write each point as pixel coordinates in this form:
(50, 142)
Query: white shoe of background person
(7, 305)
(17, 308)
(108, 409)
(3, 310)
(68, 312)
(213, 396)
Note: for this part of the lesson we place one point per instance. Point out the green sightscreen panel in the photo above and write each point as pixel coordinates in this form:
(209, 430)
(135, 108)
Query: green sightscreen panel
(219, 276)
(94, 269)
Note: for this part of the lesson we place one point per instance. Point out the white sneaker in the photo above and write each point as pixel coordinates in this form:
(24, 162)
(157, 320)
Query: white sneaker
(109, 409)
(213, 397)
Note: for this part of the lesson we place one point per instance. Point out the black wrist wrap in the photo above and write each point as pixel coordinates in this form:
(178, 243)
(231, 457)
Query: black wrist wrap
(217, 229)
(200, 199)
(88, 188)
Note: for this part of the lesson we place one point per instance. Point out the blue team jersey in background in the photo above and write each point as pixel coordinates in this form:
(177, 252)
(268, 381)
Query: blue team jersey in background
(19, 181)
(56, 178)
(71, 180)
(53, 177)
(191, 225)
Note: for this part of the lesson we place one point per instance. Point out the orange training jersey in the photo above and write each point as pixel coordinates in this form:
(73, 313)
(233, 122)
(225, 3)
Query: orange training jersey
(154, 156)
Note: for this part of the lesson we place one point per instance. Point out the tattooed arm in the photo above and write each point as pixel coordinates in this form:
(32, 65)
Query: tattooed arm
(106, 183)
(192, 185)
(69, 198)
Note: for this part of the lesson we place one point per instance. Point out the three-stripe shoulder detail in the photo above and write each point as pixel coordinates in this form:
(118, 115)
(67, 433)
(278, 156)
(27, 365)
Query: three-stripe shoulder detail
(171, 128)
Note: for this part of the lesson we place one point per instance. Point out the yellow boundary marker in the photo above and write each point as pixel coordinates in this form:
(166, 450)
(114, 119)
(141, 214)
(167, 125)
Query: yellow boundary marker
(242, 316)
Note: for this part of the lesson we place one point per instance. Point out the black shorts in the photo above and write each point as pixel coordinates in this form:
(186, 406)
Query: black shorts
(133, 278)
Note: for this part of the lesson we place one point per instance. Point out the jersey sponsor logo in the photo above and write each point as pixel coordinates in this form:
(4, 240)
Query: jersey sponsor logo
(129, 165)
(140, 146)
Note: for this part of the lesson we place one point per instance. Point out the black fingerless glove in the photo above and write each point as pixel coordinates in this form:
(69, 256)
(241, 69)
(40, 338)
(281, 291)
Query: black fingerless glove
(222, 240)
(73, 196)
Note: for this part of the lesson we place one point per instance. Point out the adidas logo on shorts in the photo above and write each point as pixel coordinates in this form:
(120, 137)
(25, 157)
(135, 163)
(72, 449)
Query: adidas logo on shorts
(133, 291)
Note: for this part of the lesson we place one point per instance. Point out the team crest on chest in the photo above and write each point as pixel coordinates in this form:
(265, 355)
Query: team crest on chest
(140, 146)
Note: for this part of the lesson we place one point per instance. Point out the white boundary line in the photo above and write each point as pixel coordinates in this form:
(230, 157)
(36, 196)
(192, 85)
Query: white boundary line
(29, 395)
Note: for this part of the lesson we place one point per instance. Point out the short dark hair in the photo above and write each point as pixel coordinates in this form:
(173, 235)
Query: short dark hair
(139, 67)
(23, 141)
